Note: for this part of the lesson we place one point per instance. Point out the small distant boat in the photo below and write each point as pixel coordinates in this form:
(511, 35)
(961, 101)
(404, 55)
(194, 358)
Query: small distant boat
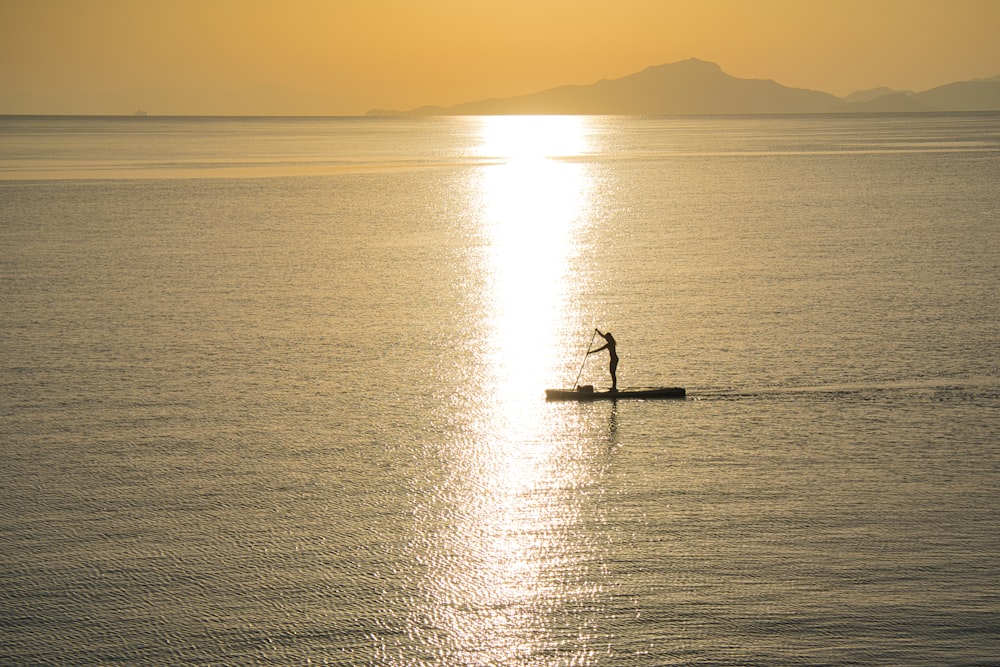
(587, 393)
(140, 112)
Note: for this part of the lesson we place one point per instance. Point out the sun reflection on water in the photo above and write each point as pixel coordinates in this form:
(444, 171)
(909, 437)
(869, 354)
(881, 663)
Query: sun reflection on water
(533, 204)
(507, 562)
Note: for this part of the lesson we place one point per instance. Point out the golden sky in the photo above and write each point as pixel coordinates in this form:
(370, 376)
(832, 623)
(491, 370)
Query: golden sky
(348, 56)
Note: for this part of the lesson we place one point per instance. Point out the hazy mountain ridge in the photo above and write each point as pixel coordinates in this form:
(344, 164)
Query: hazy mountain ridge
(874, 94)
(694, 86)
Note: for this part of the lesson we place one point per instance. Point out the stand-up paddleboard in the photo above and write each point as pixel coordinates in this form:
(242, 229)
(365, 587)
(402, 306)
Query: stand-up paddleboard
(587, 393)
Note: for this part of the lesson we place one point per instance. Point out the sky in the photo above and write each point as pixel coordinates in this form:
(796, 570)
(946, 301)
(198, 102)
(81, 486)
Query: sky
(344, 57)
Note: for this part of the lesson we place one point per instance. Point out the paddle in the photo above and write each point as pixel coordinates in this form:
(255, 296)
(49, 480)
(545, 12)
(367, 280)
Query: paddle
(576, 382)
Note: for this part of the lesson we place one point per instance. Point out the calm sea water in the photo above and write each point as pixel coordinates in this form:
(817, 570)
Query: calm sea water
(272, 391)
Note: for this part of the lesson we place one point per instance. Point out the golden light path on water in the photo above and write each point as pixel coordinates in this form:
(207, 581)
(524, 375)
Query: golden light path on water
(533, 205)
(509, 558)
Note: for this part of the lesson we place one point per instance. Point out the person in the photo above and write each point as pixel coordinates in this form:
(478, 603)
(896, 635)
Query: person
(609, 345)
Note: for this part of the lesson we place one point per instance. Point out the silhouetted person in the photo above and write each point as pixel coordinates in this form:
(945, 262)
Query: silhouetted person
(609, 345)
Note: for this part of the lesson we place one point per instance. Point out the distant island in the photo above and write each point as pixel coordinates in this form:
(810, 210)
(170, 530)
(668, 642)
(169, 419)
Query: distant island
(692, 87)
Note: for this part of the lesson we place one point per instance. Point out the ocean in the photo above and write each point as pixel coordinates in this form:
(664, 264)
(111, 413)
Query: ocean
(272, 391)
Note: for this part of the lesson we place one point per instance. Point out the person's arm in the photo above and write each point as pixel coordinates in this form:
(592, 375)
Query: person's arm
(603, 347)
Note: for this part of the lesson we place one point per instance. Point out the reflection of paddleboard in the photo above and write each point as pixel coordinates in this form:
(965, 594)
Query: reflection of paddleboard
(587, 393)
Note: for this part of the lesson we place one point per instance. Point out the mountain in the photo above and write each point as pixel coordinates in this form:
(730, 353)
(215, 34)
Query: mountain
(978, 95)
(894, 102)
(874, 94)
(687, 87)
(697, 87)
